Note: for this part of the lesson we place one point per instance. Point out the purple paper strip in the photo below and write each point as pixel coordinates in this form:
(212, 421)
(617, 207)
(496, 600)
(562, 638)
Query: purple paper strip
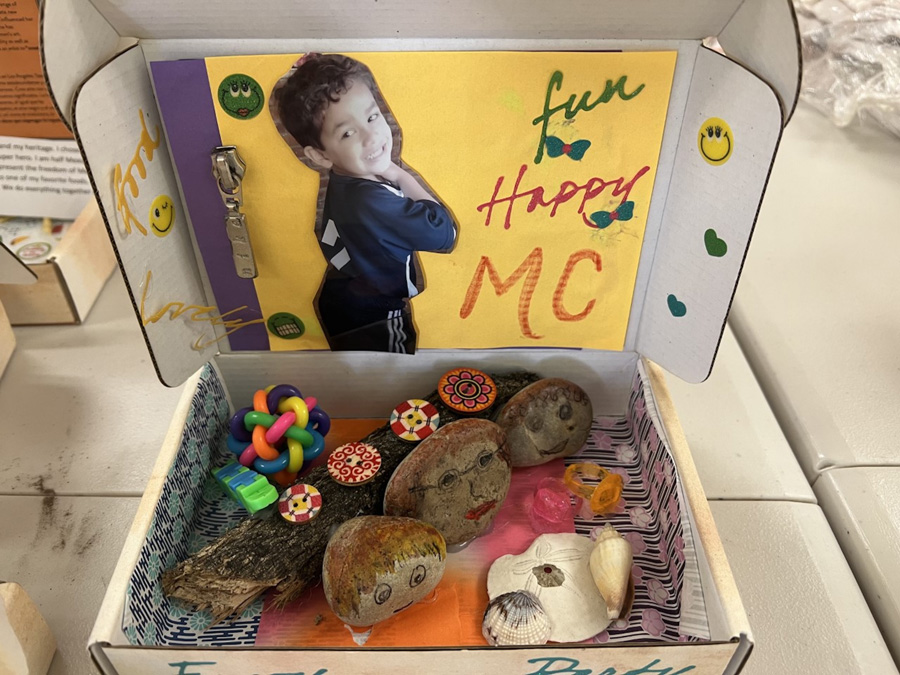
(186, 106)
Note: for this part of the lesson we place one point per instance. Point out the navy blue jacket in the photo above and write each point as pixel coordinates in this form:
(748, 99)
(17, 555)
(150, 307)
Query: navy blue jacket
(369, 234)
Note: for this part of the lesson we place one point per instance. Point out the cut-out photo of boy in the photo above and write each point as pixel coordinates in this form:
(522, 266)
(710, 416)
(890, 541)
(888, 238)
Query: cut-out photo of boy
(374, 214)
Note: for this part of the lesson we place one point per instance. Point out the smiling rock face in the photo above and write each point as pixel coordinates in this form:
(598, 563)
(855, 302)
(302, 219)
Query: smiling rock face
(547, 420)
(456, 480)
(375, 567)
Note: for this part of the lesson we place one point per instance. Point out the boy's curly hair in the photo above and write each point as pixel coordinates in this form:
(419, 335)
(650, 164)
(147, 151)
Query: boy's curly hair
(319, 81)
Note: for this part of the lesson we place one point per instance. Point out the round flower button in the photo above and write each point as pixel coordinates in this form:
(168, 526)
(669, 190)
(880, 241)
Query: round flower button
(415, 420)
(354, 463)
(300, 503)
(467, 390)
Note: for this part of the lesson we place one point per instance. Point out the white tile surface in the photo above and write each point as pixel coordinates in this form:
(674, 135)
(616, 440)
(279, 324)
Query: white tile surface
(807, 614)
(737, 445)
(82, 409)
(817, 307)
(62, 550)
(863, 506)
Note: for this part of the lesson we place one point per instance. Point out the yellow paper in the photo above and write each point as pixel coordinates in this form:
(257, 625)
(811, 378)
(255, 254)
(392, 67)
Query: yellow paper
(468, 121)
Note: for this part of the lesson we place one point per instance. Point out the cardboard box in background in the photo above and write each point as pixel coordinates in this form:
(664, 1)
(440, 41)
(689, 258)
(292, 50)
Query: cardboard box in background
(7, 340)
(98, 72)
(12, 271)
(69, 282)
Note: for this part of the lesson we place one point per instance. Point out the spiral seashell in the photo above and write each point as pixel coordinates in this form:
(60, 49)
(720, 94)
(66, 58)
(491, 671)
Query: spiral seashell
(516, 618)
(610, 563)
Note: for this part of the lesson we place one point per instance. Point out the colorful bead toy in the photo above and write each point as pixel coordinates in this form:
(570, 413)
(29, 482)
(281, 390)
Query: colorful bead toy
(415, 420)
(354, 464)
(467, 390)
(279, 433)
(300, 503)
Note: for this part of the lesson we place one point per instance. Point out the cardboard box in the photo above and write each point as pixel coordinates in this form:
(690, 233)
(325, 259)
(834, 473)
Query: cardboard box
(69, 282)
(101, 76)
(12, 271)
(7, 340)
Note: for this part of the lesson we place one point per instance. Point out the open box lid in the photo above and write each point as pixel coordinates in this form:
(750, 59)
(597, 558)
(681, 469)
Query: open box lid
(100, 75)
(13, 270)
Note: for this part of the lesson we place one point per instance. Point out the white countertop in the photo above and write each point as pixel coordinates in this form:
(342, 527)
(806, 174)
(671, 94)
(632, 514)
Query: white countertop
(863, 506)
(817, 311)
(82, 409)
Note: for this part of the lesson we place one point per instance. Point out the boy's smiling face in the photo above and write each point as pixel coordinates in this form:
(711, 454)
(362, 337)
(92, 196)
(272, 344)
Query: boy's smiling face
(356, 139)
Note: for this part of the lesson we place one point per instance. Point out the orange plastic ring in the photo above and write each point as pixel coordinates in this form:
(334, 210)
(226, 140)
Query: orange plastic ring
(259, 402)
(262, 447)
(601, 498)
(285, 477)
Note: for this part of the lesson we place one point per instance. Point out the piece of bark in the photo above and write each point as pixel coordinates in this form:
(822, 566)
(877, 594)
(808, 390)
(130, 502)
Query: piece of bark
(271, 552)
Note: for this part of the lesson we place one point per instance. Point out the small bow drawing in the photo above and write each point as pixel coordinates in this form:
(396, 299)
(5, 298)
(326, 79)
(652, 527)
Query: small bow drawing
(604, 219)
(575, 150)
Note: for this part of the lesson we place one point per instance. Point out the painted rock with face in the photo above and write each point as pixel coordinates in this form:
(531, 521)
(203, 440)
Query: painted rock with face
(376, 566)
(456, 479)
(546, 420)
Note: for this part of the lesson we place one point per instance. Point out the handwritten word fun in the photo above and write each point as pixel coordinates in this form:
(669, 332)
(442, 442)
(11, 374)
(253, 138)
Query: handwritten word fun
(570, 108)
(567, 191)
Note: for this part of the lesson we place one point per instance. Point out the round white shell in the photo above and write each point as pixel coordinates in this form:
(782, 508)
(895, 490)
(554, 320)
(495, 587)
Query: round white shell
(567, 592)
(516, 618)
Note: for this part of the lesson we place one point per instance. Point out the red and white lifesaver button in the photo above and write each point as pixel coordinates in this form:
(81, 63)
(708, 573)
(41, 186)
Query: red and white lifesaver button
(354, 463)
(415, 420)
(300, 503)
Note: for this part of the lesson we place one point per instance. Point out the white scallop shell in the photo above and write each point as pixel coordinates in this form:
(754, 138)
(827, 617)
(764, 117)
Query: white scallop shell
(555, 569)
(516, 618)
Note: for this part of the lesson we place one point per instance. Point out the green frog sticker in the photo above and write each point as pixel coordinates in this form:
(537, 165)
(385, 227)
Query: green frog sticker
(241, 96)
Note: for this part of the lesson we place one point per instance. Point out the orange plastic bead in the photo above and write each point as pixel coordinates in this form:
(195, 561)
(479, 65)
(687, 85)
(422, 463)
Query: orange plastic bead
(262, 447)
(602, 498)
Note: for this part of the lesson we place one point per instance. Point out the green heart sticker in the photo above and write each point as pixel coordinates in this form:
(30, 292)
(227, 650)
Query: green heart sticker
(714, 246)
(677, 307)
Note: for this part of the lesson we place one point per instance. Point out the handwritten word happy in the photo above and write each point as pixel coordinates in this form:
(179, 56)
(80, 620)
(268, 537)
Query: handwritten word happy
(567, 191)
(570, 108)
(148, 144)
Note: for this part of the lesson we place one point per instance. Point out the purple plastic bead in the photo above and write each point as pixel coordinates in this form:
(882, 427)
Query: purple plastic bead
(319, 420)
(236, 426)
(279, 392)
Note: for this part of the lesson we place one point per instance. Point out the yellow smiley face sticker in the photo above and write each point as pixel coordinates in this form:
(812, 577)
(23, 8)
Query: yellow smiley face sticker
(162, 215)
(716, 142)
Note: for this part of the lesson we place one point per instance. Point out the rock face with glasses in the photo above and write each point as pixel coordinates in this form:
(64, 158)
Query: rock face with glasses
(456, 480)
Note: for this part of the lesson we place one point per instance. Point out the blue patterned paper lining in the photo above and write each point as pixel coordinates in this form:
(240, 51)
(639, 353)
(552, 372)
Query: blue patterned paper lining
(193, 511)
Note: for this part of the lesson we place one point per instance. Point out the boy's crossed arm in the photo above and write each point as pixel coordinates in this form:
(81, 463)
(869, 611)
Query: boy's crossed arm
(407, 183)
